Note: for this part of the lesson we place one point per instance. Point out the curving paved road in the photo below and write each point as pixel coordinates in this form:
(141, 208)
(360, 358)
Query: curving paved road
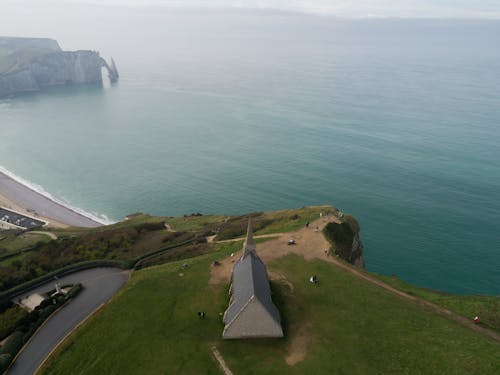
(100, 284)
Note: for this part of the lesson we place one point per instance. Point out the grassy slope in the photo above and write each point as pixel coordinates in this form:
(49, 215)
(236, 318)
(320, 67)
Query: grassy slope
(486, 307)
(152, 327)
(282, 223)
(13, 242)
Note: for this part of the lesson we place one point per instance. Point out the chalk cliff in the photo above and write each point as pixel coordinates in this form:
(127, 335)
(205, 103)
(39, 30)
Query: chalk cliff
(28, 64)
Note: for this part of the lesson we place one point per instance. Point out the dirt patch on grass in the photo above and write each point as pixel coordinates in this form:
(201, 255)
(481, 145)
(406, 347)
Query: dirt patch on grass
(310, 243)
(301, 340)
(221, 273)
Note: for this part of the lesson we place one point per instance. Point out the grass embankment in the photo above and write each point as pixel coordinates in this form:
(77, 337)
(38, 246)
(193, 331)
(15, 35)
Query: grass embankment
(14, 246)
(343, 325)
(487, 308)
(14, 241)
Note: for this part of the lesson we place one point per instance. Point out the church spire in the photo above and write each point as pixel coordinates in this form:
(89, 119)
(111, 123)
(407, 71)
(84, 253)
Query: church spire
(249, 246)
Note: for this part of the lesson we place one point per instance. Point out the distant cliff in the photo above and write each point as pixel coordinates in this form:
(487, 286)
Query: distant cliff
(346, 240)
(31, 64)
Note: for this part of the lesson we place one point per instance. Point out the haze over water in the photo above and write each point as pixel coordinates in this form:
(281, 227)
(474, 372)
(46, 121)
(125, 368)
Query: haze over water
(396, 122)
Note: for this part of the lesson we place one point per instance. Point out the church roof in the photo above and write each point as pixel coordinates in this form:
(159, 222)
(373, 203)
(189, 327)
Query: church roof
(249, 246)
(251, 285)
(250, 280)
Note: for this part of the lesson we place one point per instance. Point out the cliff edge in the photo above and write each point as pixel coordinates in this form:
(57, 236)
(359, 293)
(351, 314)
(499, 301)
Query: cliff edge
(32, 64)
(345, 240)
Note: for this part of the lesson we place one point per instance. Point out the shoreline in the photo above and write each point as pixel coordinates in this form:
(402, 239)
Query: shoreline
(20, 195)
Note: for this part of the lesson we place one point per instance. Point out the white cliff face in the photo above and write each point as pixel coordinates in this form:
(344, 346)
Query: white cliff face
(50, 67)
(18, 82)
(67, 68)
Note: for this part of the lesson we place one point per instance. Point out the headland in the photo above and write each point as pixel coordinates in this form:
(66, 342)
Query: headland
(33, 64)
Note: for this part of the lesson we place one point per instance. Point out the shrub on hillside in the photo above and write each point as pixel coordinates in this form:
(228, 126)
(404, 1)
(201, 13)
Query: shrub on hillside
(341, 235)
(170, 236)
(149, 227)
(237, 227)
(13, 343)
(5, 360)
(9, 319)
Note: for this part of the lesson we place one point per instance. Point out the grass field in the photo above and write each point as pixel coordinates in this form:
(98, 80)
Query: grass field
(14, 242)
(487, 308)
(341, 326)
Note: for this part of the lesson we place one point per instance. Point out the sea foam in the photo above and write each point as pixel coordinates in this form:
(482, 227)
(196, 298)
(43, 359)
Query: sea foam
(99, 218)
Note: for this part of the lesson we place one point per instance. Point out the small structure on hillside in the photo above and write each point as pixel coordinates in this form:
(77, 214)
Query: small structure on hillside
(251, 312)
(31, 302)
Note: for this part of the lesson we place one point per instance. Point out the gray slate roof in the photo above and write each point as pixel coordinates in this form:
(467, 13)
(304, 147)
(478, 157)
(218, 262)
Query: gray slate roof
(250, 279)
(249, 289)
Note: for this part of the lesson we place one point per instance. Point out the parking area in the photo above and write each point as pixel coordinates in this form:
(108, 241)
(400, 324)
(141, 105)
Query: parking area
(19, 220)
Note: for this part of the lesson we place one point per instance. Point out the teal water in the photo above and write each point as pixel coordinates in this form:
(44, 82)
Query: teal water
(396, 122)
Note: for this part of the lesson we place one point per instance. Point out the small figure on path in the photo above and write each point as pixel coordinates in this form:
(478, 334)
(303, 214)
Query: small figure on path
(313, 279)
(307, 225)
(476, 320)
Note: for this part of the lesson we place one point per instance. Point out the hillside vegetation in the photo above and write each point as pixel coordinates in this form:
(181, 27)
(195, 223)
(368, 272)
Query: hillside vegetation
(24, 258)
(343, 325)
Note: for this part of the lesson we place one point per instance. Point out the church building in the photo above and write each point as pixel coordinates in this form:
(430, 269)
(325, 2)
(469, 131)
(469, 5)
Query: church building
(251, 312)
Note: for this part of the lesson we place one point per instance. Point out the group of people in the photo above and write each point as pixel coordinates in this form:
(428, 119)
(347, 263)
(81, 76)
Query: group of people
(316, 228)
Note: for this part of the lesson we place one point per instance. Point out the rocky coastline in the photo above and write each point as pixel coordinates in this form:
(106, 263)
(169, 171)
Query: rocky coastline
(30, 65)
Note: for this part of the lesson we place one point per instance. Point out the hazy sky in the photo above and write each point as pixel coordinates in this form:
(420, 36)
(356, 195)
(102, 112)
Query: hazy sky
(341, 8)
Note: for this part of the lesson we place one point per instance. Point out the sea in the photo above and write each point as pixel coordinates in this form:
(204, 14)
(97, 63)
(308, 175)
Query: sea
(230, 111)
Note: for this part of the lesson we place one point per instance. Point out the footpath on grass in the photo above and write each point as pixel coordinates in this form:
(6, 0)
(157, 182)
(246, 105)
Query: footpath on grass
(311, 244)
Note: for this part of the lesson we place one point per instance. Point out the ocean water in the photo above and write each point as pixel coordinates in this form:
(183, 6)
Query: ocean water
(396, 122)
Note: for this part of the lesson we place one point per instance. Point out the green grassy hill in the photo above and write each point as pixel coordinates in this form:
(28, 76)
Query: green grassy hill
(344, 325)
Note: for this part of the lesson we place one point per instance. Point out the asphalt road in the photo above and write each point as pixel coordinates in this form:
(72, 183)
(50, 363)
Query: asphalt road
(43, 206)
(100, 284)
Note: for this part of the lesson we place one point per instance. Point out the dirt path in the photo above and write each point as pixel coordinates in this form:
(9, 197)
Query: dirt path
(243, 238)
(169, 228)
(220, 360)
(311, 244)
(50, 234)
(466, 322)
